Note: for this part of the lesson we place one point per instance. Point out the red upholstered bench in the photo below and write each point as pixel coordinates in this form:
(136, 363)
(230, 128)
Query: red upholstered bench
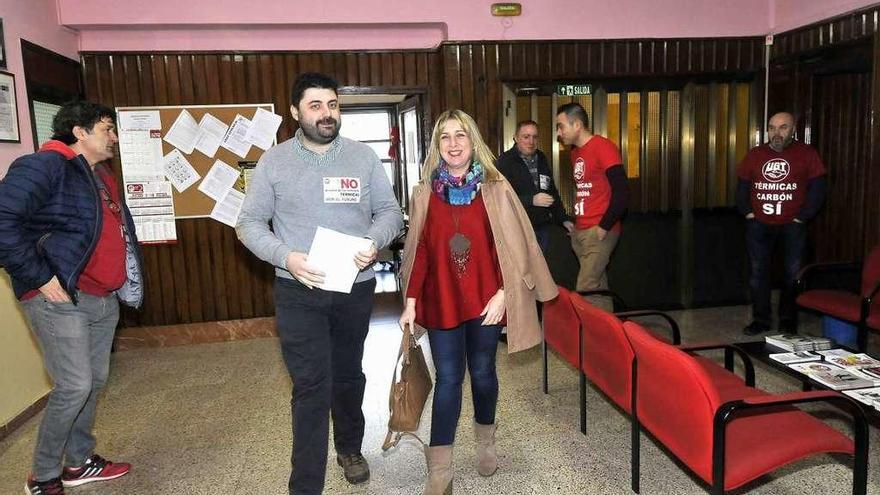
(724, 431)
(591, 340)
(861, 309)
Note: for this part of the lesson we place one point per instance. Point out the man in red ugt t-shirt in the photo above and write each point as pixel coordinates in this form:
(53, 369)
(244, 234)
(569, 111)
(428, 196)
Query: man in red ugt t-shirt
(781, 186)
(600, 196)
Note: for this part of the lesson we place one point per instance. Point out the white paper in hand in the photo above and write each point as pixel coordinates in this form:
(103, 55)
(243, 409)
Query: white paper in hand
(333, 253)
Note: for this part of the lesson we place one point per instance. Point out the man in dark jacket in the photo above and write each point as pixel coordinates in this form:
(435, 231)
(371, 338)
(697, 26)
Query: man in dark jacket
(526, 168)
(69, 245)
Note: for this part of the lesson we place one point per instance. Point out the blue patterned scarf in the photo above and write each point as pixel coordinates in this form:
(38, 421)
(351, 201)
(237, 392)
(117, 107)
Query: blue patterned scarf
(456, 190)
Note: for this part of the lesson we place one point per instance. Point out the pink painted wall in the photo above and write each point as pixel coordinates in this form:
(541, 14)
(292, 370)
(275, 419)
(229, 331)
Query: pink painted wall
(383, 24)
(37, 22)
(789, 14)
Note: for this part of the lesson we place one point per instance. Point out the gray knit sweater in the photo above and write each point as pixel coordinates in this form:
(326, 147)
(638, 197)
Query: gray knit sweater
(298, 190)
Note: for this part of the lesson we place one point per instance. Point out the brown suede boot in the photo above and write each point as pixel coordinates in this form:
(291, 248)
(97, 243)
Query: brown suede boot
(439, 461)
(487, 458)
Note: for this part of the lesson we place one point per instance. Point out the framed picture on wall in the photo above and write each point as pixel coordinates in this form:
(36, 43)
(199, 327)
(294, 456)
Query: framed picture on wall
(8, 109)
(2, 47)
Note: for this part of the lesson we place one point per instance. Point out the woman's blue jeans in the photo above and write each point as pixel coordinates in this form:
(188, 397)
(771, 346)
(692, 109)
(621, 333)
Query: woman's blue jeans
(475, 344)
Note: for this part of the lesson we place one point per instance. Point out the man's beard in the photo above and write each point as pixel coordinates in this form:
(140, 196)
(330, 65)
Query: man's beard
(317, 135)
(779, 143)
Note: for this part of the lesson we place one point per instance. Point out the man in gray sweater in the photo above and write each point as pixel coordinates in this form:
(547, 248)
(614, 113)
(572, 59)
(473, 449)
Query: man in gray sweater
(320, 179)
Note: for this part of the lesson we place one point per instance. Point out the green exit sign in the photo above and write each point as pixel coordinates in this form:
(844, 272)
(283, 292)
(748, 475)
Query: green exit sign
(574, 89)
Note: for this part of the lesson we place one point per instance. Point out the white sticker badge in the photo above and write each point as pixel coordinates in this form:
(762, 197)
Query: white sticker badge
(544, 182)
(342, 190)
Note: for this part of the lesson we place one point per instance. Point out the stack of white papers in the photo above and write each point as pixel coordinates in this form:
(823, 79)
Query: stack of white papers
(333, 253)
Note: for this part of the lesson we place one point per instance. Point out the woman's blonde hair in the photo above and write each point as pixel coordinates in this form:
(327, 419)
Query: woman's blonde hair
(481, 153)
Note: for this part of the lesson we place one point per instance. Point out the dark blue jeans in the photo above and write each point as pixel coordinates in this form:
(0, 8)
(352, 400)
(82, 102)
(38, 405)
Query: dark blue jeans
(761, 239)
(450, 348)
(322, 341)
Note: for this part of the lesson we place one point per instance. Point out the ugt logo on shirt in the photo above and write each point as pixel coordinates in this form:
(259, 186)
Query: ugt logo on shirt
(775, 170)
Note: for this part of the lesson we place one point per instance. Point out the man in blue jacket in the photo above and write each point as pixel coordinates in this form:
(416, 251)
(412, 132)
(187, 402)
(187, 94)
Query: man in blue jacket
(69, 245)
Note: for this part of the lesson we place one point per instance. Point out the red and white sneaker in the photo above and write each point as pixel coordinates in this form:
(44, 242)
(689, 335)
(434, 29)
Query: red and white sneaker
(51, 487)
(96, 468)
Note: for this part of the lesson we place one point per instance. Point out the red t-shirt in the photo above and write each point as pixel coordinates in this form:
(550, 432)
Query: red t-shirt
(592, 189)
(779, 180)
(444, 298)
(105, 271)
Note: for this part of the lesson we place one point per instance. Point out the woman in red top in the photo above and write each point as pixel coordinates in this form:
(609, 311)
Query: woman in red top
(455, 287)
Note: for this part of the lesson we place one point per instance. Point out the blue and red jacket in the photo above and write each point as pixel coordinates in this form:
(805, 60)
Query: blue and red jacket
(50, 223)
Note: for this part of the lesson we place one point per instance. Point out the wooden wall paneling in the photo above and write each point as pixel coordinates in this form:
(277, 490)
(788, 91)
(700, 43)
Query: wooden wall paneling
(663, 157)
(398, 69)
(410, 74)
(229, 268)
(205, 269)
(493, 95)
(673, 147)
(132, 77)
(689, 126)
(480, 96)
(187, 84)
(645, 167)
(242, 275)
(721, 145)
(375, 63)
(467, 79)
(712, 145)
(452, 80)
(387, 69)
(700, 137)
(189, 245)
(252, 81)
(872, 111)
(218, 268)
(737, 133)
(200, 78)
(172, 76)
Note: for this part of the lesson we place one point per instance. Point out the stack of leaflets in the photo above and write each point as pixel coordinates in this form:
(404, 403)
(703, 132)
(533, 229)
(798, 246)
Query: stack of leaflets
(869, 396)
(793, 342)
(861, 365)
(795, 357)
(832, 376)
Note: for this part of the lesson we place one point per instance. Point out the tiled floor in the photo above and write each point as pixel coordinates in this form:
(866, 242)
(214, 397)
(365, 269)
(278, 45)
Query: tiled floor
(214, 419)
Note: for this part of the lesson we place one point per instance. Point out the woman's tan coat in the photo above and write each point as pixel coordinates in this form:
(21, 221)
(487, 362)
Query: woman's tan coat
(523, 268)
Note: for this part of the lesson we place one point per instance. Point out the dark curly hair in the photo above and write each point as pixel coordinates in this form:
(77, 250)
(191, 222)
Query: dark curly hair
(80, 113)
(308, 80)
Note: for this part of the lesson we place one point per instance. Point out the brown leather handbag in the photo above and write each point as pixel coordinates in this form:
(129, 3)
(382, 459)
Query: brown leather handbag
(409, 393)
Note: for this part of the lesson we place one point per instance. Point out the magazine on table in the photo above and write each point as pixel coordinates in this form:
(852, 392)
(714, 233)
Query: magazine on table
(846, 359)
(861, 365)
(869, 396)
(795, 357)
(832, 376)
(792, 342)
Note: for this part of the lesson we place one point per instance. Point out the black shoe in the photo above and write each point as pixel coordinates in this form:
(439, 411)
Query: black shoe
(755, 328)
(51, 487)
(787, 326)
(354, 467)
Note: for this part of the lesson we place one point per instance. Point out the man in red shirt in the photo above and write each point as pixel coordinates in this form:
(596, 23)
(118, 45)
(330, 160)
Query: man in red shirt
(600, 196)
(781, 187)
